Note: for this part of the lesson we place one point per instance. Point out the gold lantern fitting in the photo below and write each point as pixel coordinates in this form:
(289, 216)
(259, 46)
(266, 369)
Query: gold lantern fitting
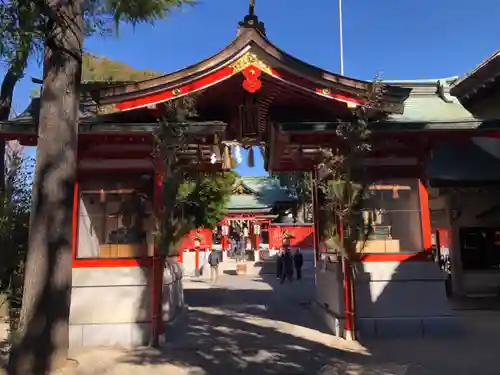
(102, 196)
(226, 158)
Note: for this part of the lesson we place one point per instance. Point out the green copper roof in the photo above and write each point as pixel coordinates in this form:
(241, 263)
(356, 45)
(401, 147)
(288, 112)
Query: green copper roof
(261, 194)
(430, 102)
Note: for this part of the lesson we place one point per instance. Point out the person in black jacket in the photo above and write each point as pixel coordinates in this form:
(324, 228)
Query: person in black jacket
(214, 260)
(298, 261)
(287, 272)
(279, 264)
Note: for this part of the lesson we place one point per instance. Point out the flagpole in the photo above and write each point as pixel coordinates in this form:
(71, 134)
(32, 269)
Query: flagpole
(341, 39)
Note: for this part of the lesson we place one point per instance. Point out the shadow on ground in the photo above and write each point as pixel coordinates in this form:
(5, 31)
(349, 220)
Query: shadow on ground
(246, 325)
(243, 342)
(254, 326)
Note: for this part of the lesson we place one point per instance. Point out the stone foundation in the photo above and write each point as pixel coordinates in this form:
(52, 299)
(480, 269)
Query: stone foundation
(393, 299)
(112, 306)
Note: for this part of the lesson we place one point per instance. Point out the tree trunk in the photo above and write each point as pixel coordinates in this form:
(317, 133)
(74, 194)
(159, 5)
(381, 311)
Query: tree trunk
(158, 272)
(42, 340)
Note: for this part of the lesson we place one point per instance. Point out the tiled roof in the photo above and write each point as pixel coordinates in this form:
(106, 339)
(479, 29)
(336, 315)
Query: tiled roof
(426, 106)
(266, 192)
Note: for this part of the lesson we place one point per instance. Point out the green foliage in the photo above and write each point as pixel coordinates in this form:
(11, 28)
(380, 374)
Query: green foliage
(301, 184)
(23, 23)
(205, 197)
(14, 221)
(341, 226)
(137, 11)
(191, 200)
(104, 69)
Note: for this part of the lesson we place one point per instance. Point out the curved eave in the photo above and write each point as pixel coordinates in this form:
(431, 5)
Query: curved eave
(485, 74)
(218, 68)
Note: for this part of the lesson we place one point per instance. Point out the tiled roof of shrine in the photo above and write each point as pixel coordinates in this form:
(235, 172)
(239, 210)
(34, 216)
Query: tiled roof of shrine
(430, 101)
(259, 194)
(426, 104)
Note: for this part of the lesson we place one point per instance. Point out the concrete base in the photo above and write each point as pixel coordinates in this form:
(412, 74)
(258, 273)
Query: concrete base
(392, 300)
(112, 306)
(397, 327)
(119, 334)
(334, 324)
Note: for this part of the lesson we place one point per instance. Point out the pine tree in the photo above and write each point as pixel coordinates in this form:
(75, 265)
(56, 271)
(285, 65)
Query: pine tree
(42, 339)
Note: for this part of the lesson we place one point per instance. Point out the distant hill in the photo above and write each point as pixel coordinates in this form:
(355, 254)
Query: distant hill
(106, 70)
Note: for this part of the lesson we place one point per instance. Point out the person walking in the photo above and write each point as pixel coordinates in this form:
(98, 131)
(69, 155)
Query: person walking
(279, 264)
(298, 261)
(287, 273)
(213, 261)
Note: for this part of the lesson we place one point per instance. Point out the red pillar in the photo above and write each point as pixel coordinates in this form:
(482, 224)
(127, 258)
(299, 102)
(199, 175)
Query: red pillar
(425, 216)
(317, 250)
(76, 220)
(257, 239)
(197, 257)
(225, 240)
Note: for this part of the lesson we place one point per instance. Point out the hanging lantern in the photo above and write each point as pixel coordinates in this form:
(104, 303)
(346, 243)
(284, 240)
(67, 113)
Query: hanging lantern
(395, 192)
(256, 228)
(102, 196)
(251, 160)
(225, 230)
(226, 158)
(234, 163)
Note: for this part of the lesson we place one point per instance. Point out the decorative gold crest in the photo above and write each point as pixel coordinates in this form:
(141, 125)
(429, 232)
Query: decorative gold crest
(106, 109)
(249, 59)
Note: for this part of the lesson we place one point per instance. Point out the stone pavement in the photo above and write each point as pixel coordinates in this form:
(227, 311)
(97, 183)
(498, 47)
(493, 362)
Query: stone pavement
(254, 326)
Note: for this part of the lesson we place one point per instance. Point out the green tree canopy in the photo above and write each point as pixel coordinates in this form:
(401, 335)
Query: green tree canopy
(103, 69)
(205, 197)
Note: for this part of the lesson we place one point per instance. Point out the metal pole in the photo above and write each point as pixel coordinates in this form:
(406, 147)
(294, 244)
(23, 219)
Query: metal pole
(341, 39)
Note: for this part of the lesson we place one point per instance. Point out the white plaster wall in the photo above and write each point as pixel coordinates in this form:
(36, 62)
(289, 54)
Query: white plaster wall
(88, 241)
(189, 262)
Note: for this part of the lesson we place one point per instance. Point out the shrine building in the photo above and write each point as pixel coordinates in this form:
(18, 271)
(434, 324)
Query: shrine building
(465, 180)
(252, 94)
(259, 212)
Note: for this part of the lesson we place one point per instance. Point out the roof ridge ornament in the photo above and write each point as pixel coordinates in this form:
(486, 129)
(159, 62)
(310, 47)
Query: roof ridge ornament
(251, 21)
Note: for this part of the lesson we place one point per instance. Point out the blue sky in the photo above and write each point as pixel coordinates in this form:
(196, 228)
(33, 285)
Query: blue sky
(402, 39)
